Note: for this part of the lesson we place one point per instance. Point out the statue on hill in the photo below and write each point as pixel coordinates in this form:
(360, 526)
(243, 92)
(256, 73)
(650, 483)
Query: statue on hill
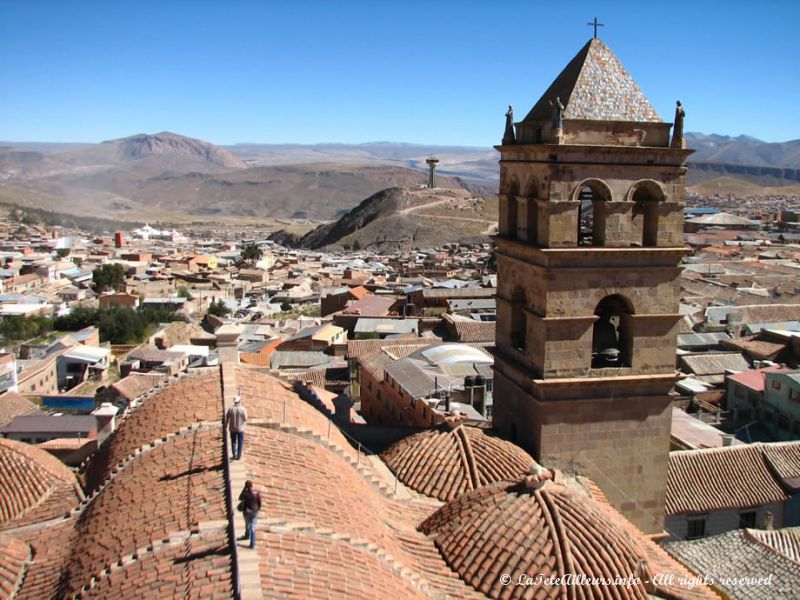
(508, 135)
(677, 129)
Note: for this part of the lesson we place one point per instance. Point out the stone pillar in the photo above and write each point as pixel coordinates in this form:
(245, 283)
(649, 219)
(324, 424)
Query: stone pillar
(228, 343)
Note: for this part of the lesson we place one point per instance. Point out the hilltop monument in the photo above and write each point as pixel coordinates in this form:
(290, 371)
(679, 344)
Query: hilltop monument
(588, 256)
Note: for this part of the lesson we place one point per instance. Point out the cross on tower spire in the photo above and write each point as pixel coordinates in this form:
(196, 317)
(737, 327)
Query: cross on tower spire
(595, 24)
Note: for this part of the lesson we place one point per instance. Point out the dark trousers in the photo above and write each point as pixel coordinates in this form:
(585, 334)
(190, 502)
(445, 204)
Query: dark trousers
(237, 444)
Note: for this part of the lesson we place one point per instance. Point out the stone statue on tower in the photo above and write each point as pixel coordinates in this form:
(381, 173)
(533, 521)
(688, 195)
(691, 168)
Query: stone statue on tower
(508, 135)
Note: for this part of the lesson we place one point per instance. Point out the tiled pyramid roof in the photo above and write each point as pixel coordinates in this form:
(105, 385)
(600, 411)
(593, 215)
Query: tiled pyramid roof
(596, 86)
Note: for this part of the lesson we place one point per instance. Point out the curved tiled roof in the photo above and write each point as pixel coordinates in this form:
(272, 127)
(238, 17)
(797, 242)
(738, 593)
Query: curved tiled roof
(190, 399)
(717, 478)
(327, 568)
(314, 497)
(34, 485)
(445, 462)
(198, 567)
(167, 490)
(510, 529)
(268, 399)
(13, 556)
(539, 528)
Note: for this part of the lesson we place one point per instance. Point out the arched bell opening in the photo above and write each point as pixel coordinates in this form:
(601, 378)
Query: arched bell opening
(612, 341)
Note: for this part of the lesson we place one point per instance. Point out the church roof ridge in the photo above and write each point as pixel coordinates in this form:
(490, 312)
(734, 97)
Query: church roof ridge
(595, 86)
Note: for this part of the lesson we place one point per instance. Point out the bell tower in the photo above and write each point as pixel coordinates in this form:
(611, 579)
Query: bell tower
(588, 258)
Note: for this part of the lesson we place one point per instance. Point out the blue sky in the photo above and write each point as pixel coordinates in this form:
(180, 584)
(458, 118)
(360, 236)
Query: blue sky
(439, 72)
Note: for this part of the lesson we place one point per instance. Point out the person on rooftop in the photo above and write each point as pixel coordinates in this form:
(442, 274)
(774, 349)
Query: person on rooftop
(235, 419)
(250, 500)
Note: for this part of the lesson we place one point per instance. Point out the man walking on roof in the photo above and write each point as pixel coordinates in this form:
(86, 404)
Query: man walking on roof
(235, 418)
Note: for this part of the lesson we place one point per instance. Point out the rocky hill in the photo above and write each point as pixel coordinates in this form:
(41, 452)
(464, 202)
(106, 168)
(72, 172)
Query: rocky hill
(406, 217)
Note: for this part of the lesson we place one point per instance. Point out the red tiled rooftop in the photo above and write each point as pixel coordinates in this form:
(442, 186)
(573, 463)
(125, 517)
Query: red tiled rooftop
(34, 485)
(718, 478)
(186, 401)
(445, 462)
(551, 530)
(312, 491)
(14, 554)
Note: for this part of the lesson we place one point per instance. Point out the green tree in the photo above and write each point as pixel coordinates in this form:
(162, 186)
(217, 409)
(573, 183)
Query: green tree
(218, 309)
(62, 252)
(108, 277)
(183, 292)
(15, 327)
(251, 253)
(286, 306)
(356, 245)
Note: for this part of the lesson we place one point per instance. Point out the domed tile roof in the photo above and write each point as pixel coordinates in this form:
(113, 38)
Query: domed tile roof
(537, 528)
(446, 462)
(33, 484)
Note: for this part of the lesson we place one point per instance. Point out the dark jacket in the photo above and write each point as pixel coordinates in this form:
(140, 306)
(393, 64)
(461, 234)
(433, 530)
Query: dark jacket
(251, 499)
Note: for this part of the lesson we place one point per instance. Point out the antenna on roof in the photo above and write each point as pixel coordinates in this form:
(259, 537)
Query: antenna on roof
(595, 24)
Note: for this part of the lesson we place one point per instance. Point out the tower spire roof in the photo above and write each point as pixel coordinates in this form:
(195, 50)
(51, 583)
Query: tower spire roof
(595, 86)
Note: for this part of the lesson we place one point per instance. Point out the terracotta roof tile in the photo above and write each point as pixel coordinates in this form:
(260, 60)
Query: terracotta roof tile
(14, 554)
(549, 529)
(168, 489)
(717, 478)
(445, 462)
(34, 485)
(198, 567)
(188, 400)
(312, 497)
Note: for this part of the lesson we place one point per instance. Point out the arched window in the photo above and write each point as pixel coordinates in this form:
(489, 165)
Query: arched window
(519, 321)
(592, 195)
(512, 207)
(611, 337)
(532, 194)
(646, 195)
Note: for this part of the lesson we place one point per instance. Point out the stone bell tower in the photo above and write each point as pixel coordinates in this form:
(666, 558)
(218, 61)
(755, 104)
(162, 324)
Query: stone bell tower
(588, 255)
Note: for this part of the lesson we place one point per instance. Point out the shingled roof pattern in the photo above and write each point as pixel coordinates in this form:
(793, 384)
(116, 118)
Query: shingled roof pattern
(784, 458)
(443, 463)
(316, 496)
(190, 399)
(34, 485)
(595, 86)
(14, 554)
(475, 331)
(506, 528)
(736, 554)
(718, 478)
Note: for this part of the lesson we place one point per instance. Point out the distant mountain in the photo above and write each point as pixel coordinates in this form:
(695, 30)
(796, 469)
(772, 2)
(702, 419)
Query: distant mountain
(406, 217)
(168, 176)
(743, 150)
